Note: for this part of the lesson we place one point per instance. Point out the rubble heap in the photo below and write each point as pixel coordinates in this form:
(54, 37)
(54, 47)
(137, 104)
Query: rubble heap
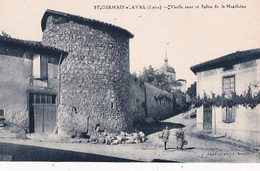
(10, 130)
(2, 122)
(103, 137)
(113, 139)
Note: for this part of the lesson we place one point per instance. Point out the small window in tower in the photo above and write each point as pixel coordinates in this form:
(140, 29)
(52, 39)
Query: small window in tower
(112, 105)
(2, 113)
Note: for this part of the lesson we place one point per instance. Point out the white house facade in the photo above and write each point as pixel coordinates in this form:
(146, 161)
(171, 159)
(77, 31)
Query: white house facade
(236, 72)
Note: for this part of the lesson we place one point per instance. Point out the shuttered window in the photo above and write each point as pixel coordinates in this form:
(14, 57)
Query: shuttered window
(40, 67)
(229, 114)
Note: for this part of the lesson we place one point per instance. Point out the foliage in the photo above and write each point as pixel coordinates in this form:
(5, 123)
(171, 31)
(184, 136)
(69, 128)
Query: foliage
(180, 104)
(191, 91)
(162, 97)
(156, 79)
(162, 82)
(247, 100)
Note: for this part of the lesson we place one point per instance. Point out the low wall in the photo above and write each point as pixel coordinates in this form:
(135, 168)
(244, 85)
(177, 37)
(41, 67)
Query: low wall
(159, 103)
(137, 101)
(148, 101)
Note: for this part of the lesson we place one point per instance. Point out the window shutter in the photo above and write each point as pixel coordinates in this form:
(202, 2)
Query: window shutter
(40, 67)
(229, 115)
(37, 66)
(44, 67)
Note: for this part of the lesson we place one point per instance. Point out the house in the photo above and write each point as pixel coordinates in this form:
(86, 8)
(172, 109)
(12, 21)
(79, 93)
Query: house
(29, 83)
(235, 72)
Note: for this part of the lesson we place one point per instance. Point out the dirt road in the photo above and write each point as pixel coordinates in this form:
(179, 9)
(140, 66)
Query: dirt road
(200, 148)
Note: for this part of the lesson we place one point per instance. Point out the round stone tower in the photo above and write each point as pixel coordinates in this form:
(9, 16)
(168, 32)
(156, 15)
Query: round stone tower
(94, 77)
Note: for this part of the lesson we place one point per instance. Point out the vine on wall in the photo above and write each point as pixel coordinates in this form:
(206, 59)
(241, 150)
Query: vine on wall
(162, 97)
(247, 100)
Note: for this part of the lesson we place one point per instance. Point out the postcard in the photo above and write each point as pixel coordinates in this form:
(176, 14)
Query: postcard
(164, 81)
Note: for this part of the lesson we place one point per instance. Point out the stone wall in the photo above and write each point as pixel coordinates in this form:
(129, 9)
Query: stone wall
(159, 103)
(148, 101)
(138, 101)
(94, 76)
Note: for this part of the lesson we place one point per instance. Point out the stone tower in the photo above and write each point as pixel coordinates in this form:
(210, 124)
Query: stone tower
(94, 77)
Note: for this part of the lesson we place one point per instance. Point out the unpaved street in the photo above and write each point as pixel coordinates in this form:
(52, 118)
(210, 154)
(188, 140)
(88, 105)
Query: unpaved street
(200, 148)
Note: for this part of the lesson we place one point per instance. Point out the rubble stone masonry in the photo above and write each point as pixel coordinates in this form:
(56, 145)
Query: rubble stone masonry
(149, 102)
(94, 85)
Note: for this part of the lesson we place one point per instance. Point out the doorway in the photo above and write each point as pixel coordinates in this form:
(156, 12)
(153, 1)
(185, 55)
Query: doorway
(207, 117)
(42, 112)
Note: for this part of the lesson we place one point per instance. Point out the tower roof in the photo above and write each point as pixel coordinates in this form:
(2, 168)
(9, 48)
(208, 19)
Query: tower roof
(166, 67)
(85, 21)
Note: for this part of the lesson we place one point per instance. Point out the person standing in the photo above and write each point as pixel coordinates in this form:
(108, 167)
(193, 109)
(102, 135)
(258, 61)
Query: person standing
(180, 138)
(165, 136)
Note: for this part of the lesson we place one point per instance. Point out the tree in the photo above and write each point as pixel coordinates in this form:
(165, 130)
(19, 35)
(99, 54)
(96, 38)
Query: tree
(156, 79)
(148, 75)
(191, 91)
(161, 81)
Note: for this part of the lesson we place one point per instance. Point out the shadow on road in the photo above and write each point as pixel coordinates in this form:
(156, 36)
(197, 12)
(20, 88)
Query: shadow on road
(158, 126)
(165, 161)
(189, 148)
(31, 153)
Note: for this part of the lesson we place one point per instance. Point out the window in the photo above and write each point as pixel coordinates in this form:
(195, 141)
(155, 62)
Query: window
(2, 113)
(228, 67)
(40, 67)
(228, 85)
(229, 114)
(44, 99)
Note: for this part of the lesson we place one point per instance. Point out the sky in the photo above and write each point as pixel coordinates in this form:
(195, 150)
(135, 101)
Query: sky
(190, 36)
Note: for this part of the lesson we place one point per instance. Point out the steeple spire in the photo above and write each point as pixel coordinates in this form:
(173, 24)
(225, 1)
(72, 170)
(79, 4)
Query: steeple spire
(166, 58)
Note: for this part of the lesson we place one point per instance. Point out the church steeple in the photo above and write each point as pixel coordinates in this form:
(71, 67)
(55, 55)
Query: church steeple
(166, 58)
(166, 68)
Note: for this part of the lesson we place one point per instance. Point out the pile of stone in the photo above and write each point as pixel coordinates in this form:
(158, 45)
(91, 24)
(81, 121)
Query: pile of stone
(10, 130)
(113, 139)
(2, 122)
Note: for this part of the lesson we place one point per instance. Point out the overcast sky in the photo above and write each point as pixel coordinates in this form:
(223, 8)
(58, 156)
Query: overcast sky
(194, 35)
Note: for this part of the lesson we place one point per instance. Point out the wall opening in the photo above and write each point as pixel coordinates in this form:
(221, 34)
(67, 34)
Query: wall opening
(2, 113)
